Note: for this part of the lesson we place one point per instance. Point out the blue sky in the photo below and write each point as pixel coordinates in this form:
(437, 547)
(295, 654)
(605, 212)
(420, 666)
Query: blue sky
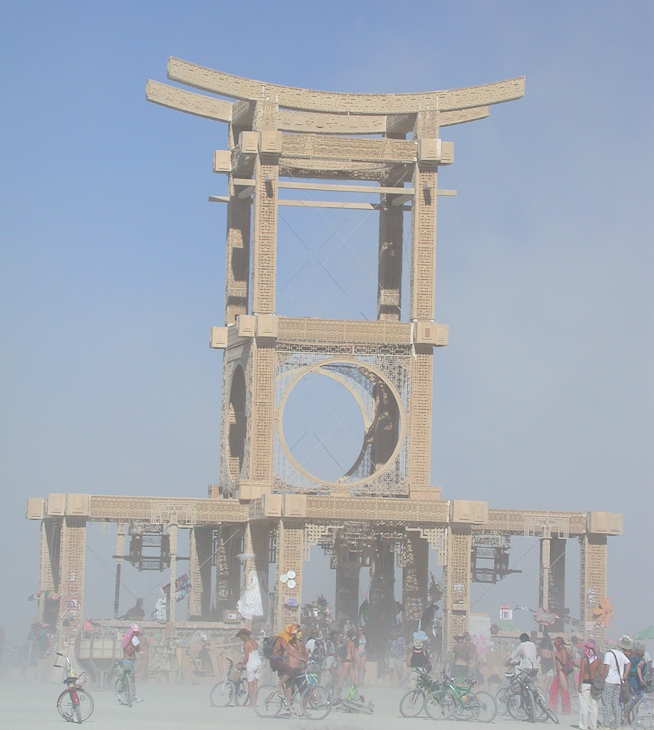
(111, 260)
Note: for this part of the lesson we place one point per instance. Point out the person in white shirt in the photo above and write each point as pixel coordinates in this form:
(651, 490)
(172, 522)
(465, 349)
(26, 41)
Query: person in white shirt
(525, 654)
(616, 669)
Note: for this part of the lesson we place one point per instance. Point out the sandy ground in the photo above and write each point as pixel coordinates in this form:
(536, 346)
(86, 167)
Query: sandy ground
(24, 705)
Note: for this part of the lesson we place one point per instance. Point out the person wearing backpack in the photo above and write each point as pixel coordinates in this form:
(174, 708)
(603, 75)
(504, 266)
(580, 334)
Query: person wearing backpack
(560, 684)
(591, 681)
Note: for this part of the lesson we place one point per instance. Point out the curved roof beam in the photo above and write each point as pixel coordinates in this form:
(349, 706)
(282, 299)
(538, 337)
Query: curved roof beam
(290, 97)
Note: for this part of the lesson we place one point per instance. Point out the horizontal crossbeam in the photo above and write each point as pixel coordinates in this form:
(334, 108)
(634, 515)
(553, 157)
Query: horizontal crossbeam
(289, 97)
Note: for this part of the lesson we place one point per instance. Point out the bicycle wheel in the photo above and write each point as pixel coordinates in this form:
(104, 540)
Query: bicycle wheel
(440, 704)
(121, 690)
(86, 704)
(530, 706)
(501, 697)
(222, 693)
(267, 703)
(65, 705)
(483, 706)
(316, 702)
(516, 706)
(412, 703)
(543, 710)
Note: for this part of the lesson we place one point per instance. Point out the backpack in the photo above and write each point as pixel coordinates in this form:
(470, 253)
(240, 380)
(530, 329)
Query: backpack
(318, 653)
(269, 646)
(569, 665)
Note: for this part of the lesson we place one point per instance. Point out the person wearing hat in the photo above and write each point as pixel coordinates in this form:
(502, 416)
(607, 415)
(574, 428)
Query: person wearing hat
(251, 662)
(590, 668)
(418, 657)
(460, 658)
(285, 654)
(564, 666)
(131, 645)
(616, 670)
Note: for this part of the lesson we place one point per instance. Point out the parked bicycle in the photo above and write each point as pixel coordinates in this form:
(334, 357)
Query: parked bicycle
(232, 689)
(525, 702)
(124, 684)
(413, 701)
(638, 711)
(315, 701)
(74, 703)
(461, 702)
(509, 686)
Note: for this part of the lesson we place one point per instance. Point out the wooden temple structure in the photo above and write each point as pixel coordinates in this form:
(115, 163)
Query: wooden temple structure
(383, 512)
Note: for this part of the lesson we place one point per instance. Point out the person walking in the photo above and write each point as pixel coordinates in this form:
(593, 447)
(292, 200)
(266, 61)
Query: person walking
(560, 683)
(616, 669)
(395, 654)
(546, 653)
(251, 662)
(590, 668)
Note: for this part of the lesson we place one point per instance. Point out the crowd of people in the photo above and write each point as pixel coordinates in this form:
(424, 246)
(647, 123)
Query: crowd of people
(611, 675)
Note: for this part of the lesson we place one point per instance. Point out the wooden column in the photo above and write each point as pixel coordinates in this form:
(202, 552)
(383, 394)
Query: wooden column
(557, 581)
(49, 567)
(593, 583)
(120, 551)
(456, 584)
(347, 584)
(172, 532)
(237, 250)
(290, 542)
(422, 299)
(415, 577)
(544, 580)
(71, 587)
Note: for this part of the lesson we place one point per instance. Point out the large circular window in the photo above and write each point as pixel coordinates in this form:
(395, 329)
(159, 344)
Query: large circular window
(340, 421)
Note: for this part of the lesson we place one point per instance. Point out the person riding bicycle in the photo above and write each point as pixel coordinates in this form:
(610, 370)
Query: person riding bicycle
(132, 645)
(525, 655)
(286, 658)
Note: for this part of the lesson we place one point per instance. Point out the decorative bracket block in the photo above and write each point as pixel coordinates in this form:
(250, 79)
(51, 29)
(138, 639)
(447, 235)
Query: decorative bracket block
(467, 511)
(222, 161)
(77, 505)
(55, 505)
(430, 150)
(246, 325)
(248, 143)
(218, 338)
(35, 508)
(431, 333)
(267, 326)
(604, 523)
(295, 505)
(271, 142)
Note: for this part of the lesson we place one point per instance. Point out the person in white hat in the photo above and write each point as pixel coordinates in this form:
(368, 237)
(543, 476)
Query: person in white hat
(616, 669)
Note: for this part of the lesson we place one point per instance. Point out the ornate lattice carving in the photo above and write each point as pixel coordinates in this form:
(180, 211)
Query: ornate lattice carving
(542, 525)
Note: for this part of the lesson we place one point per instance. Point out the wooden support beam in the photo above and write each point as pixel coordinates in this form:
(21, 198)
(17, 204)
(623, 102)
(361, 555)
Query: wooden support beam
(290, 97)
(189, 102)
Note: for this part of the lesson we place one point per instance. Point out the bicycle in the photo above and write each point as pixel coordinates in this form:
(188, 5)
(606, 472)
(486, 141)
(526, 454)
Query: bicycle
(74, 703)
(232, 689)
(640, 710)
(527, 703)
(315, 700)
(124, 686)
(451, 700)
(508, 687)
(413, 701)
(353, 703)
